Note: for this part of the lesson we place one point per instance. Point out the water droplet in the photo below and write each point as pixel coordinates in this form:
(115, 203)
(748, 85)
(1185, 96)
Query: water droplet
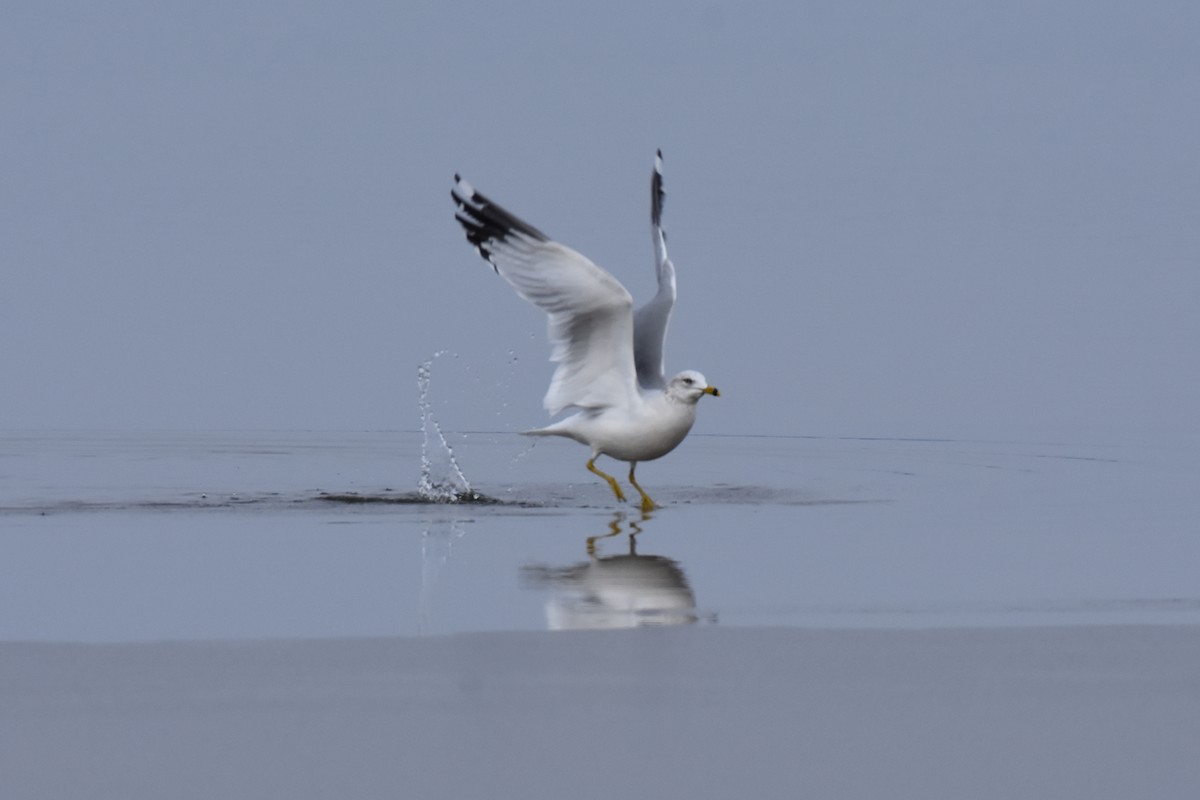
(442, 480)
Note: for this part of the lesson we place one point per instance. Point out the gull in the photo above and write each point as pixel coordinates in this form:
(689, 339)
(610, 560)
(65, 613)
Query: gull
(610, 360)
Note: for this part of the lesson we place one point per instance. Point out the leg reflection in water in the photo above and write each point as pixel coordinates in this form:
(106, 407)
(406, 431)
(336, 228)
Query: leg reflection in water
(614, 529)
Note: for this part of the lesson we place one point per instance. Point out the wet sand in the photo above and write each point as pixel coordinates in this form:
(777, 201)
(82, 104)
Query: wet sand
(695, 712)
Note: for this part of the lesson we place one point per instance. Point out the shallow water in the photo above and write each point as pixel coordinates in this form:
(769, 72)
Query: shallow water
(147, 536)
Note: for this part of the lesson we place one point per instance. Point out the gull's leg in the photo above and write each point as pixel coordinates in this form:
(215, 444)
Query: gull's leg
(647, 503)
(611, 480)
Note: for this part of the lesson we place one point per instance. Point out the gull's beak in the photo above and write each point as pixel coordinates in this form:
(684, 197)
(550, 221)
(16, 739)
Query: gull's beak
(712, 390)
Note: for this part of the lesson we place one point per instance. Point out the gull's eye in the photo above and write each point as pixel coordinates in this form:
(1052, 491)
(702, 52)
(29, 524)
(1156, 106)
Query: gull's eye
(688, 381)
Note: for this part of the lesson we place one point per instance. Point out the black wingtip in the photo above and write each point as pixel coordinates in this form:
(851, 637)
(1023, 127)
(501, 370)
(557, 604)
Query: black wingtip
(657, 195)
(486, 223)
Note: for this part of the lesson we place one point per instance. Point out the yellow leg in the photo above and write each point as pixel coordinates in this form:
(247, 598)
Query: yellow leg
(647, 503)
(611, 480)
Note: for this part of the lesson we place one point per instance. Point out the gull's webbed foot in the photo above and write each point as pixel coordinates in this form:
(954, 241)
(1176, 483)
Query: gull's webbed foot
(648, 505)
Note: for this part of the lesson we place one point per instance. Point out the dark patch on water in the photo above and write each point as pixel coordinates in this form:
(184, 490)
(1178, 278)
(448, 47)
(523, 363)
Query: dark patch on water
(541, 496)
(467, 497)
(264, 501)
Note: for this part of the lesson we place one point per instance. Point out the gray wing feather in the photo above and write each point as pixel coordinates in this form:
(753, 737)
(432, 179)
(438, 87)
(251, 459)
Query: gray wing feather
(590, 313)
(651, 320)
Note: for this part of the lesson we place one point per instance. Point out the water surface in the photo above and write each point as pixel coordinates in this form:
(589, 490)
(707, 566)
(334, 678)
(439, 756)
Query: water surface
(148, 536)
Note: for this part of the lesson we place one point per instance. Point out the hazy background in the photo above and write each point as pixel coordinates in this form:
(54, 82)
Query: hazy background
(889, 219)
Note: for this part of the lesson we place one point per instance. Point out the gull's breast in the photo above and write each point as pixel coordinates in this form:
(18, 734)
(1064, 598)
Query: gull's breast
(654, 431)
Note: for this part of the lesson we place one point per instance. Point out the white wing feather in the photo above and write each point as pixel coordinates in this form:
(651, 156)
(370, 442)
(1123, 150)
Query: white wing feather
(590, 313)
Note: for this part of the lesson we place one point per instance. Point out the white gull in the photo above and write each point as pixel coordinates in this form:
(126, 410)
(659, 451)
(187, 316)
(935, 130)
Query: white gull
(610, 360)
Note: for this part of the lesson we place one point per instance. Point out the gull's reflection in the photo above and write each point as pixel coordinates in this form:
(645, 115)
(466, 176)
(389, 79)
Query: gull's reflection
(618, 591)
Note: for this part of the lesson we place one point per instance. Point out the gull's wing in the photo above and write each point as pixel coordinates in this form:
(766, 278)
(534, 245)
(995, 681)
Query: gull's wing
(591, 313)
(650, 322)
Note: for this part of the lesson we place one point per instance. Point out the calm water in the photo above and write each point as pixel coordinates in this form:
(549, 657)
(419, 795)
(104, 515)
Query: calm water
(116, 537)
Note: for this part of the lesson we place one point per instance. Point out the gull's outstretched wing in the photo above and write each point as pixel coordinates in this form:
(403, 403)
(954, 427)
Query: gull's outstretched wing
(591, 313)
(650, 322)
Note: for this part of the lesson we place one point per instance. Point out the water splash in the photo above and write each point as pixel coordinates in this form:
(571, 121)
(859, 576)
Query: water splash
(442, 480)
(504, 385)
(525, 451)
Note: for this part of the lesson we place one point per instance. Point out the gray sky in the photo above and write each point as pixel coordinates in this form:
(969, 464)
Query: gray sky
(934, 219)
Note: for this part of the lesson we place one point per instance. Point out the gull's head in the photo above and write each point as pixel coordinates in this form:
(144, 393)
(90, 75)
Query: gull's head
(689, 386)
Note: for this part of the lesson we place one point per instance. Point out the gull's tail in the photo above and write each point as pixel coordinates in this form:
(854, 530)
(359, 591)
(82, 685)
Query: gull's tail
(540, 432)
(564, 427)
